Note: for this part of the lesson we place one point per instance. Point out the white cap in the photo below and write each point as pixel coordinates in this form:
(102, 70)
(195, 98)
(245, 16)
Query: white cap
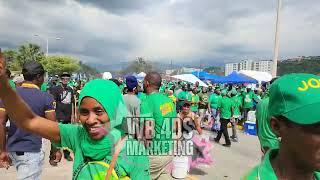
(18, 79)
(107, 75)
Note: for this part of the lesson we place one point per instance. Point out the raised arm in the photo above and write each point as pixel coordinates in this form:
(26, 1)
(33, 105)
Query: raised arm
(21, 114)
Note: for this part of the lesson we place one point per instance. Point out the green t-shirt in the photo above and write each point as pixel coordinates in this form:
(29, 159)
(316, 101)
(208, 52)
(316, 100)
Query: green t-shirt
(162, 89)
(72, 84)
(194, 99)
(183, 95)
(161, 110)
(214, 100)
(142, 96)
(237, 103)
(44, 87)
(136, 167)
(225, 106)
(204, 99)
(12, 84)
(266, 136)
(265, 171)
(257, 98)
(248, 100)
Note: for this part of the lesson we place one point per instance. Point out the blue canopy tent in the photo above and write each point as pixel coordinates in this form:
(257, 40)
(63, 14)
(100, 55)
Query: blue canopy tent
(234, 77)
(206, 76)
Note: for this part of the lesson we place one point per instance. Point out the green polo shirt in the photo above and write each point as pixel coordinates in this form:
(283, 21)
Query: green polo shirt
(214, 100)
(237, 103)
(194, 99)
(264, 170)
(225, 106)
(44, 87)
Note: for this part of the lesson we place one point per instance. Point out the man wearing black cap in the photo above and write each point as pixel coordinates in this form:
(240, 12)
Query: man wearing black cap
(64, 96)
(24, 148)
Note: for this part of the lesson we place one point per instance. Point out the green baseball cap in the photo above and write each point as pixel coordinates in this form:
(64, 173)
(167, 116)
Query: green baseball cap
(296, 97)
(234, 92)
(224, 92)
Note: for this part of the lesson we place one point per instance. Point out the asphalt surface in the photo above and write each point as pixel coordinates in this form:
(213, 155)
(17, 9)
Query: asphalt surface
(229, 163)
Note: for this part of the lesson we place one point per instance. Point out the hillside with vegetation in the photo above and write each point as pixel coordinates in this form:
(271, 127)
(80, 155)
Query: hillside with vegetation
(215, 70)
(303, 65)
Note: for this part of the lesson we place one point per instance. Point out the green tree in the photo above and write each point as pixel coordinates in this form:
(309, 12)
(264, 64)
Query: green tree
(87, 70)
(59, 64)
(29, 52)
(11, 60)
(137, 66)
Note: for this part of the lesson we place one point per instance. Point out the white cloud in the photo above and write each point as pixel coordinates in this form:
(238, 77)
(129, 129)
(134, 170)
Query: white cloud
(179, 30)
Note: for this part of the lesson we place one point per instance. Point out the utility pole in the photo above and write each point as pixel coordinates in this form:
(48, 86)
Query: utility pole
(276, 42)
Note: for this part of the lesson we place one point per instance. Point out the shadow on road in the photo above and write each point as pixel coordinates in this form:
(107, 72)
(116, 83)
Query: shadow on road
(196, 171)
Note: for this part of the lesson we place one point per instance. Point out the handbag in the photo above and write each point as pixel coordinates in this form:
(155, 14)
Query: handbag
(102, 170)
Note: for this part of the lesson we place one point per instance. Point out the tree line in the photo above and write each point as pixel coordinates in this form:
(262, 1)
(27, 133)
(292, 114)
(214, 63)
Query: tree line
(55, 64)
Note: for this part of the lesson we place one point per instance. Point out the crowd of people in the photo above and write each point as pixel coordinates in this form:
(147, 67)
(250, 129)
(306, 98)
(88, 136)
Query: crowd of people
(90, 123)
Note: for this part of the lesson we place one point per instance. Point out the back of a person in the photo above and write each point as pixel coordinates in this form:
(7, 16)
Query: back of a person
(214, 99)
(236, 101)
(248, 100)
(162, 108)
(133, 104)
(225, 106)
(18, 138)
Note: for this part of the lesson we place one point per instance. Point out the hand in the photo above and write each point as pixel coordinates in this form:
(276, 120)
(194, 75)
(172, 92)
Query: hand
(5, 160)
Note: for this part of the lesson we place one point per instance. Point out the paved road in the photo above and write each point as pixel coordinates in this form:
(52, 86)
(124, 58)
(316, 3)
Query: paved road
(229, 163)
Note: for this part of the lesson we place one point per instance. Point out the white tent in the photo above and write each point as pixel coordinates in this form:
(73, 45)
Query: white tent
(141, 75)
(190, 78)
(259, 76)
(106, 75)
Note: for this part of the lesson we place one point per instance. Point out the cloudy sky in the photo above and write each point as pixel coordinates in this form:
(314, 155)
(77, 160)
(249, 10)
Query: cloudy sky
(109, 31)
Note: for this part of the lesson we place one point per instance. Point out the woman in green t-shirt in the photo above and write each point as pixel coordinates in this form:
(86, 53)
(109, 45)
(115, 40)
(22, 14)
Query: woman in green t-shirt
(101, 112)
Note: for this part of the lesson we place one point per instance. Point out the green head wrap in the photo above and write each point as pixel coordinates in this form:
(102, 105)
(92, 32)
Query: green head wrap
(107, 93)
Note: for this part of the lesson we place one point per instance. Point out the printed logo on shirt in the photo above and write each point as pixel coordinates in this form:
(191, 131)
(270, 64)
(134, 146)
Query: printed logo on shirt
(247, 99)
(205, 98)
(311, 83)
(66, 97)
(54, 105)
(166, 108)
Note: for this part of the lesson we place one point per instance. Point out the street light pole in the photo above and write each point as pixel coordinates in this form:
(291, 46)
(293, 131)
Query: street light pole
(47, 47)
(47, 42)
(276, 42)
